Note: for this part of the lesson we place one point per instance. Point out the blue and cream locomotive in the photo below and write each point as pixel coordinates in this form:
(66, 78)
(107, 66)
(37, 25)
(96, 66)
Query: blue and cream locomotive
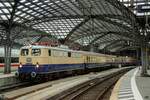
(37, 61)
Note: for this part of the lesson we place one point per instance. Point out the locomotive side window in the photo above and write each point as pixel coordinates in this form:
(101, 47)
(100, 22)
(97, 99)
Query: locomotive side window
(65, 54)
(87, 59)
(57, 53)
(69, 54)
(75, 55)
(24, 52)
(61, 53)
(36, 52)
(49, 52)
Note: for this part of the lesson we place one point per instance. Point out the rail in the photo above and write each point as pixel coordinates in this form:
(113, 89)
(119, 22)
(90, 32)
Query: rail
(95, 89)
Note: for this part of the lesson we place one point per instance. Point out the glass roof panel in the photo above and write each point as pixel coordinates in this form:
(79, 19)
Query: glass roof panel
(79, 20)
(60, 28)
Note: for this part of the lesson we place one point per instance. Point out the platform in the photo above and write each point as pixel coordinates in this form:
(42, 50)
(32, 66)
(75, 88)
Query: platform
(13, 69)
(143, 84)
(7, 75)
(132, 87)
(6, 79)
(2, 75)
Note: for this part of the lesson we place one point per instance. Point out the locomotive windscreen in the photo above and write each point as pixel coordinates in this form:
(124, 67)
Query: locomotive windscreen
(24, 52)
(36, 52)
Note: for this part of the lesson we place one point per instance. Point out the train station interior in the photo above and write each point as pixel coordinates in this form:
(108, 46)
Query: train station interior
(99, 48)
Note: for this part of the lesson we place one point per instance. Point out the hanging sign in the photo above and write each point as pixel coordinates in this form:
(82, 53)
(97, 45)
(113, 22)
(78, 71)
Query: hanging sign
(143, 8)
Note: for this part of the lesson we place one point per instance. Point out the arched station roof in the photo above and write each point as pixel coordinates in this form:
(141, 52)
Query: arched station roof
(107, 24)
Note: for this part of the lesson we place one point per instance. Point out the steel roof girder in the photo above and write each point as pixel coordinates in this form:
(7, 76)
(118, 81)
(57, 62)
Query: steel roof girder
(77, 27)
(128, 47)
(126, 12)
(105, 20)
(45, 19)
(104, 34)
(113, 44)
(114, 23)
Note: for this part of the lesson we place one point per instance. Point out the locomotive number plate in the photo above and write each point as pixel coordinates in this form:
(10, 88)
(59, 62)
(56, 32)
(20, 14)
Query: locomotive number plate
(29, 60)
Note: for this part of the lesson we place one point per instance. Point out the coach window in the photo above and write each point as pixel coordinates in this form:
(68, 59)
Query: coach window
(36, 52)
(49, 52)
(69, 54)
(88, 59)
(24, 52)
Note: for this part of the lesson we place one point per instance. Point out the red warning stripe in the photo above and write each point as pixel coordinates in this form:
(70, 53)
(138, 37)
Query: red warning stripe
(13, 64)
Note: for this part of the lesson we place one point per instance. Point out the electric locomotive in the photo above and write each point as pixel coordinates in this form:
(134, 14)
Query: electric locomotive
(44, 61)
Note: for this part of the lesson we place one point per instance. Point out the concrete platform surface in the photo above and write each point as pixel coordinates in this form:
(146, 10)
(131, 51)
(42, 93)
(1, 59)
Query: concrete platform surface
(7, 75)
(13, 69)
(132, 87)
(123, 88)
(143, 84)
(2, 75)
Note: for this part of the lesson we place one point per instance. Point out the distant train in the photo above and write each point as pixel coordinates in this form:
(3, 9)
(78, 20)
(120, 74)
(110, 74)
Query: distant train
(43, 61)
(14, 56)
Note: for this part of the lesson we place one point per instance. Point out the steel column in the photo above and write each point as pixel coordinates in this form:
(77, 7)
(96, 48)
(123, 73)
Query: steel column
(144, 60)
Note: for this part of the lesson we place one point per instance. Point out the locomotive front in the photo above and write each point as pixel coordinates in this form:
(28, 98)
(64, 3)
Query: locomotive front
(31, 59)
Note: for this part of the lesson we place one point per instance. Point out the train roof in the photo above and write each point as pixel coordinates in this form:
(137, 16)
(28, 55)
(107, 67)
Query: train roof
(63, 49)
(48, 47)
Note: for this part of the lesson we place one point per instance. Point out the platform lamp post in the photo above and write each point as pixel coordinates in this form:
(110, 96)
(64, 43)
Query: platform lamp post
(144, 59)
(144, 44)
(148, 57)
(147, 27)
(7, 51)
(144, 52)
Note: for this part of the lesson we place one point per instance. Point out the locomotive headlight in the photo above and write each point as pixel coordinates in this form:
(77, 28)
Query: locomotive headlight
(37, 65)
(20, 65)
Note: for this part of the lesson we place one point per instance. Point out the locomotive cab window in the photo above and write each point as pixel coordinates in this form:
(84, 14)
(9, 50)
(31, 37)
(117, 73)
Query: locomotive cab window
(69, 54)
(24, 52)
(36, 52)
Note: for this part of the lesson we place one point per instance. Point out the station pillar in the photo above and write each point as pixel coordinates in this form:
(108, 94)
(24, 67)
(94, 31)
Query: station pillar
(92, 48)
(144, 60)
(138, 51)
(7, 59)
(137, 54)
(119, 66)
(147, 58)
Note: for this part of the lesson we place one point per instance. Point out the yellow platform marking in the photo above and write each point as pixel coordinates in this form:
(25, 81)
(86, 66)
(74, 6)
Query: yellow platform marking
(114, 94)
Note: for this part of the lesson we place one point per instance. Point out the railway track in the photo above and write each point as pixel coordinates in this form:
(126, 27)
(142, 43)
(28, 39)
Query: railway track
(19, 84)
(96, 89)
(9, 87)
(15, 86)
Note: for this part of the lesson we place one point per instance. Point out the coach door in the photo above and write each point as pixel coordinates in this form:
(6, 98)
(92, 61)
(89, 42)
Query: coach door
(49, 56)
